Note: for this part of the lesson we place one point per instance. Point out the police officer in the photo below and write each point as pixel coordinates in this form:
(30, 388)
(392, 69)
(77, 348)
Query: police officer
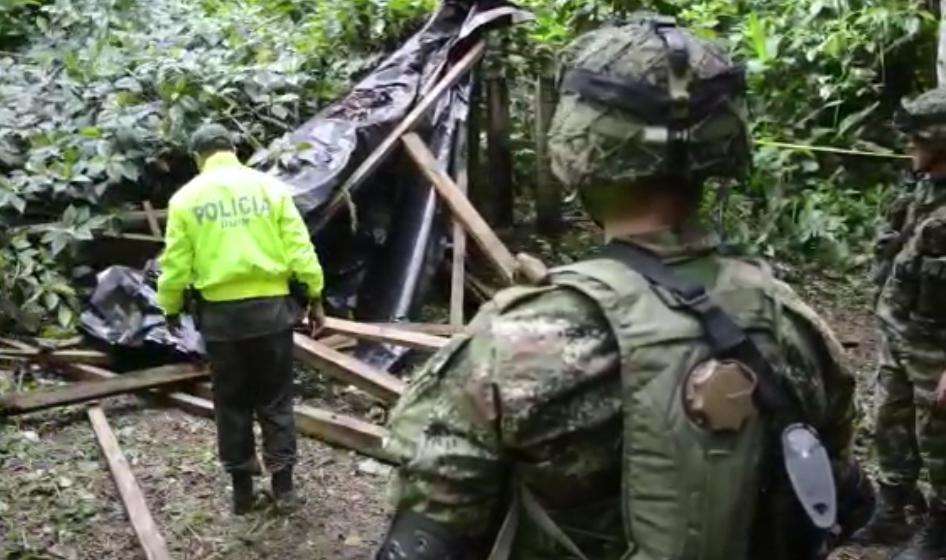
(616, 410)
(911, 308)
(235, 237)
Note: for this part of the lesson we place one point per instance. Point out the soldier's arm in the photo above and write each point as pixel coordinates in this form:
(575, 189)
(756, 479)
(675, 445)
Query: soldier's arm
(457, 430)
(177, 263)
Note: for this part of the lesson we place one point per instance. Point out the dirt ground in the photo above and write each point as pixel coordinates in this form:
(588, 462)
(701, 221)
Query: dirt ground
(57, 499)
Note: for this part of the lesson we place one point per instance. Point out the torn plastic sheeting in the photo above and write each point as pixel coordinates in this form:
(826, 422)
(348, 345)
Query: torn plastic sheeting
(123, 313)
(381, 271)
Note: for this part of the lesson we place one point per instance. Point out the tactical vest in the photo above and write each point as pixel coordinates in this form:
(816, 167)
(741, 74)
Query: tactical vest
(689, 492)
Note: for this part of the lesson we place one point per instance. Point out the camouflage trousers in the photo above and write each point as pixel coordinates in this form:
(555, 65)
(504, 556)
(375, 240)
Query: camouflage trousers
(911, 430)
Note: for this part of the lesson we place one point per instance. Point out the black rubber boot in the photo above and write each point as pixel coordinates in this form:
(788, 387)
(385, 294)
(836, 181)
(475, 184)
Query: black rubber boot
(888, 524)
(284, 493)
(242, 493)
(929, 543)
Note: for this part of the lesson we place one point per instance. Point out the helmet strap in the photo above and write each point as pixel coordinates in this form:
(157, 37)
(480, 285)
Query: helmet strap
(678, 80)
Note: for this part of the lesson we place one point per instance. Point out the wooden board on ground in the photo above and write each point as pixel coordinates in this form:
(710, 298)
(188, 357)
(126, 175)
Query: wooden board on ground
(335, 429)
(21, 403)
(435, 329)
(463, 211)
(347, 369)
(393, 335)
(91, 357)
(149, 535)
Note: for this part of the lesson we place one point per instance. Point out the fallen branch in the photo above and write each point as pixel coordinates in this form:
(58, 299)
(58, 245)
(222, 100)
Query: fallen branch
(21, 403)
(347, 369)
(392, 335)
(149, 536)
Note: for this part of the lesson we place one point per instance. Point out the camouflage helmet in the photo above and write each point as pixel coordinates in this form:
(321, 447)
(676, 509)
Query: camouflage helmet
(924, 116)
(647, 99)
(211, 138)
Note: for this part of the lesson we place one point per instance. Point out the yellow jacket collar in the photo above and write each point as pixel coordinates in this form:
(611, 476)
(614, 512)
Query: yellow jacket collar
(220, 159)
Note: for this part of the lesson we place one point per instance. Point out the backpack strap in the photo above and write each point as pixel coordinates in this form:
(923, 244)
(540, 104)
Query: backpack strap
(805, 459)
(726, 338)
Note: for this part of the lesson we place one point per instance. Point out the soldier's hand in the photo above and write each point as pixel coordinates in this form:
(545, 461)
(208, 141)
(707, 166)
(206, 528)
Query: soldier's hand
(316, 316)
(941, 391)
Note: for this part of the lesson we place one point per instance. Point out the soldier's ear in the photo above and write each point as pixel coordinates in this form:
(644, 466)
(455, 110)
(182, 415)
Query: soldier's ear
(199, 159)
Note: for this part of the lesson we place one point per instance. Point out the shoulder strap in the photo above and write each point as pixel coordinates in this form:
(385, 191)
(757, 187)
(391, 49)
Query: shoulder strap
(727, 339)
(804, 457)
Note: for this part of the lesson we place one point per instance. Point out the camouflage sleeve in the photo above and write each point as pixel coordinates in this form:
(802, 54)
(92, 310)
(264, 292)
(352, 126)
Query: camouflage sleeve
(820, 377)
(449, 430)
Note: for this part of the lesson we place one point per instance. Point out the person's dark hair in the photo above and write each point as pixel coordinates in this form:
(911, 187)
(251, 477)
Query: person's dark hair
(211, 138)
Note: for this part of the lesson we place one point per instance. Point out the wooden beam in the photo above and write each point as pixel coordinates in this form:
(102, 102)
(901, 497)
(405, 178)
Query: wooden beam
(21, 403)
(92, 357)
(392, 335)
(499, 148)
(343, 431)
(458, 266)
(435, 329)
(484, 236)
(347, 369)
(149, 535)
(390, 143)
(152, 218)
(335, 429)
(548, 193)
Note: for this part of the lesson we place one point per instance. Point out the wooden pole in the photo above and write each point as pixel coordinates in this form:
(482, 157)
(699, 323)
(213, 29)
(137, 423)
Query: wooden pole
(548, 195)
(133, 499)
(484, 236)
(391, 142)
(458, 267)
(152, 219)
(500, 150)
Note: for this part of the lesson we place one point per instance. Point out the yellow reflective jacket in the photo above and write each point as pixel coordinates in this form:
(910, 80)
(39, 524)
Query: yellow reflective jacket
(234, 233)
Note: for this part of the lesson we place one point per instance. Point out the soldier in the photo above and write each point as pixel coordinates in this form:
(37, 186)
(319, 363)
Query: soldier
(911, 308)
(619, 410)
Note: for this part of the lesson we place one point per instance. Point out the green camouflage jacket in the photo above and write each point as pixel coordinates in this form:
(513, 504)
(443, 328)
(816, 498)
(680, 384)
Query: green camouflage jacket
(911, 264)
(537, 384)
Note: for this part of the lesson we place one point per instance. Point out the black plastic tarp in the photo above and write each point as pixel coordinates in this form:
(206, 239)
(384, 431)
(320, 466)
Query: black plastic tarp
(380, 269)
(123, 314)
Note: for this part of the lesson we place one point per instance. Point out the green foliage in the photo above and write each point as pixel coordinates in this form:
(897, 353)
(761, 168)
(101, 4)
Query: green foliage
(96, 109)
(821, 72)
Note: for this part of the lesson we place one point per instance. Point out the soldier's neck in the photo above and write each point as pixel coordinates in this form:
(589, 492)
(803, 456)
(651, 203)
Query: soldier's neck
(650, 216)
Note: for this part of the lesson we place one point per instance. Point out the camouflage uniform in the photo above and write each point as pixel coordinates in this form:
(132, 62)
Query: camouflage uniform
(536, 387)
(911, 308)
(564, 400)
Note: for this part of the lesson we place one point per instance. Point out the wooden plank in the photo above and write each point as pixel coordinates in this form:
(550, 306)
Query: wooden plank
(390, 143)
(429, 328)
(338, 341)
(458, 264)
(348, 369)
(20, 403)
(152, 218)
(392, 335)
(484, 236)
(335, 429)
(133, 499)
(499, 149)
(548, 193)
(343, 431)
(92, 357)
